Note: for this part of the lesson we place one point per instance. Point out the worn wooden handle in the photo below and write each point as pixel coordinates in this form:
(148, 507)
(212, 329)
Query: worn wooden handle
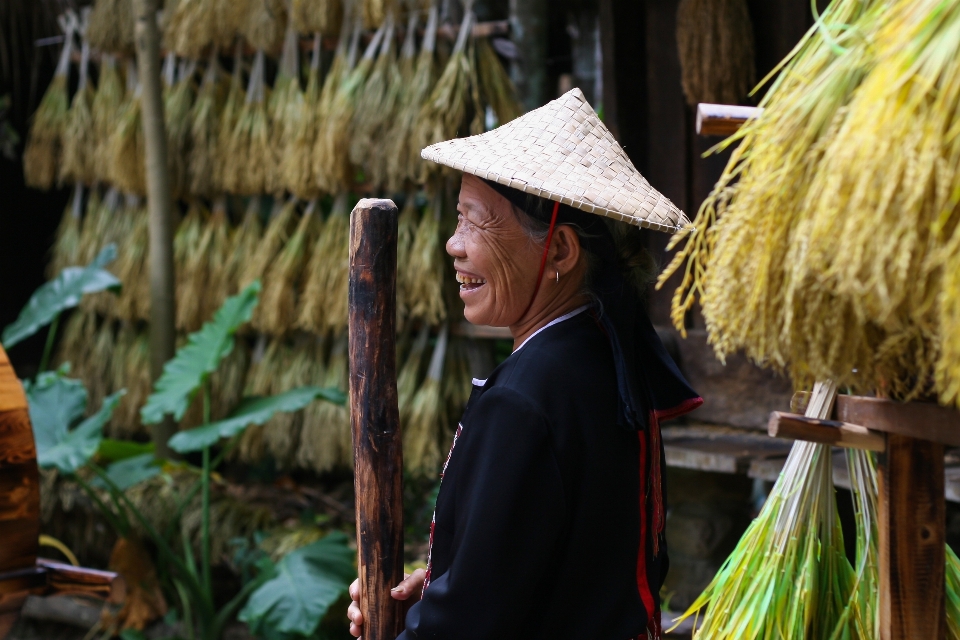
(840, 434)
(723, 119)
(374, 416)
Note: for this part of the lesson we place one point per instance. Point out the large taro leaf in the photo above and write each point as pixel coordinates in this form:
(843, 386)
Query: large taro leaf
(250, 411)
(111, 450)
(62, 293)
(55, 403)
(187, 370)
(78, 445)
(130, 471)
(306, 582)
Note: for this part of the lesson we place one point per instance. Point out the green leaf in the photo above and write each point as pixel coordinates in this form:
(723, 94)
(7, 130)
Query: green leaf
(55, 403)
(115, 450)
(306, 583)
(62, 293)
(78, 446)
(250, 411)
(131, 471)
(186, 371)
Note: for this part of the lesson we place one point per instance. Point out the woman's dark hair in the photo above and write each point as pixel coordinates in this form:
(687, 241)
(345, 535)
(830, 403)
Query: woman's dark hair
(636, 263)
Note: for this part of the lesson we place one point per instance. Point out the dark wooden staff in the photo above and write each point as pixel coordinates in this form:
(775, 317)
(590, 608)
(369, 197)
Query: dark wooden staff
(374, 416)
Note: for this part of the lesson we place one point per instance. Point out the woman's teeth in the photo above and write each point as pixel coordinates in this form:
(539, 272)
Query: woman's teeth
(465, 280)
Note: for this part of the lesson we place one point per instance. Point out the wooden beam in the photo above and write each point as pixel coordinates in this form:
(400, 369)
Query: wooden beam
(912, 537)
(106, 585)
(838, 434)
(723, 119)
(921, 420)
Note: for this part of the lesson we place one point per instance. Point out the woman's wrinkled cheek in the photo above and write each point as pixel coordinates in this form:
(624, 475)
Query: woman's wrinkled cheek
(501, 263)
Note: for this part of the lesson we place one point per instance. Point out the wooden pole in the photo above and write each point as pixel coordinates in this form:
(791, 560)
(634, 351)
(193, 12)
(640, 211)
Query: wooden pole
(160, 205)
(374, 416)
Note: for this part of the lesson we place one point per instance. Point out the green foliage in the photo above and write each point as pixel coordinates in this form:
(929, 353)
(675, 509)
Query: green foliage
(62, 293)
(115, 450)
(131, 471)
(250, 411)
(303, 586)
(183, 375)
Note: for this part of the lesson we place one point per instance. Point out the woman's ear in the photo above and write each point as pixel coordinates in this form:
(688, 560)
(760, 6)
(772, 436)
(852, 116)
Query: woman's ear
(566, 249)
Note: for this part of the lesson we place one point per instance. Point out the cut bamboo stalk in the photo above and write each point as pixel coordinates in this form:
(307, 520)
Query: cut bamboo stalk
(839, 434)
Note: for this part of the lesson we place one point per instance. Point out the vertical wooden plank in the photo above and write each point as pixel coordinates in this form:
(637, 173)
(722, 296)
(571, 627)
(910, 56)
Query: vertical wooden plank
(528, 22)
(623, 53)
(374, 416)
(912, 537)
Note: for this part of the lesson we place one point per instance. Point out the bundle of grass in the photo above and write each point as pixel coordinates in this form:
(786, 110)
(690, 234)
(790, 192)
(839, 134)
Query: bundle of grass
(112, 224)
(229, 17)
(228, 117)
(227, 382)
(185, 246)
(325, 438)
(265, 24)
(107, 102)
(177, 105)
(332, 152)
(282, 279)
(111, 26)
(443, 115)
(131, 268)
(78, 163)
(190, 27)
(127, 147)
(96, 367)
(203, 287)
(79, 334)
(402, 147)
(270, 361)
(218, 248)
(281, 435)
(41, 155)
(407, 226)
(286, 84)
(66, 246)
(496, 88)
(246, 239)
(317, 16)
(377, 12)
(421, 434)
(202, 158)
(282, 221)
(715, 41)
(409, 377)
(137, 382)
(249, 166)
(299, 133)
(323, 301)
(119, 426)
(457, 384)
(425, 269)
(97, 225)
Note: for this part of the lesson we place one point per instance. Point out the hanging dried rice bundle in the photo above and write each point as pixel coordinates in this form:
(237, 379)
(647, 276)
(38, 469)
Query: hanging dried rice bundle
(421, 435)
(425, 270)
(227, 382)
(281, 281)
(229, 18)
(191, 27)
(299, 134)
(78, 337)
(202, 160)
(79, 136)
(406, 165)
(457, 384)
(325, 439)
(246, 240)
(496, 87)
(111, 26)
(332, 153)
(325, 279)
(177, 104)
(282, 221)
(268, 363)
(113, 224)
(107, 103)
(131, 265)
(229, 115)
(407, 226)
(317, 16)
(66, 246)
(131, 371)
(97, 374)
(286, 84)
(281, 435)
(185, 243)
(265, 24)
(377, 12)
(41, 155)
(715, 41)
(409, 377)
(205, 271)
(249, 167)
(127, 147)
(99, 226)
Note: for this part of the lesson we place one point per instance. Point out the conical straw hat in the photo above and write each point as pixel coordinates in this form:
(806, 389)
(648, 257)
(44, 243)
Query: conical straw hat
(563, 152)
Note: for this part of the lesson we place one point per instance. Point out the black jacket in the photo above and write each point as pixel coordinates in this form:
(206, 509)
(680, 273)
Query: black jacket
(538, 530)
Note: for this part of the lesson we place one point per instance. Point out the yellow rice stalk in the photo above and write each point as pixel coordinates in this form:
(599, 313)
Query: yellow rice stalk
(78, 163)
(317, 16)
(229, 115)
(299, 133)
(111, 26)
(66, 246)
(407, 226)
(127, 150)
(376, 12)
(286, 84)
(406, 164)
(177, 104)
(114, 224)
(191, 27)
(202, 160)
(282, 220)
(409, 377)
(281, 282)
(218, 254)
(325, 440)
(229, 17)
(41, 154)
(332, 152)
(267, 364)
(246, 240)
(281, 435)
(98, 225)
(425, 270)
(495, 85)
(131, 265)
(715, 39)
(185, 247)
(325, 279)
(107, 102)
(443, 115)
(265, 24)
(249, 167)
(421, 434)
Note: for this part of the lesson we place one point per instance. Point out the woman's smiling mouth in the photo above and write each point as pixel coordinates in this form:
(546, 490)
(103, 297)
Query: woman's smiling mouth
(469, 283)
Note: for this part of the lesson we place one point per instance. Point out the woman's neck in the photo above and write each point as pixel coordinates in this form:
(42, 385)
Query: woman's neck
(537, 319)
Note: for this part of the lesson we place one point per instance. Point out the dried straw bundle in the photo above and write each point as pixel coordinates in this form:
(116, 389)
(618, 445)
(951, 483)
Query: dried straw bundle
(425, 270)
(421, 435)
(249, 167)
(107, 102)
(41, 154)
(332, 153)
(185, 244)
(299, 133)
(66, 246)
(282, 279)
(246, 240)
(205, 269)
(265, 24)
(282, 221)
(130, 370)
(131, 265)
(458, 383)
(97, 365)
(409, 378)
(227, 382)
(281, 436)
(202, 160)
(127, 147)
(177, 105)
(402, 146)
(496, 87)
(317, 16)
(715, 40)
(323, 281)
(286, 85)
(325, 439)
(78, 163)
(229, 115)
(112, 224)
(268, 363)
(191, 27)
(97, 226)
(407, 226)
(229, 18)
(377, 12)
(111, 26)
(78, 337)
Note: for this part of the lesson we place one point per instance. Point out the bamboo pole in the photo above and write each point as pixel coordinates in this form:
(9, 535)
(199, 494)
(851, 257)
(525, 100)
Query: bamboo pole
(160, 205)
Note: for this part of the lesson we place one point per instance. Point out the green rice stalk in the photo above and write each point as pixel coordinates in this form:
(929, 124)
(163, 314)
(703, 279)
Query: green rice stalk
(410, 377)
(496, 87)
(265, 24)
(191, 27)
(111, 26)
(299, 133)
(421, 434)
(402, 148)
(227, 176)
(332, 153)
(282, 222)
(202, 157)
(78, 162)
(186, 244)
(325, 439)
(715, 42)
(41, 155)
(281, 282)
(246, 240)
(407, 225)
(250, 169)
(425, 270)
(317, 16)
(66, 246)
(127, 147)
(323, 302)
(107, 103)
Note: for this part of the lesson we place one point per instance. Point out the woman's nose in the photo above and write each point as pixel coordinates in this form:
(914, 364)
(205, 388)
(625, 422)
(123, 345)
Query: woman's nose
(455, 245)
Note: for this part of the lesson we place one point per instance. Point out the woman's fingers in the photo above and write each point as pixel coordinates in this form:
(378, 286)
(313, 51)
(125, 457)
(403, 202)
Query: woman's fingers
(410, 586)
(356, 619)
(355, 590)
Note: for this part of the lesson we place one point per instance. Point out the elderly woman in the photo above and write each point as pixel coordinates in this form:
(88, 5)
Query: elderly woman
(549, 520)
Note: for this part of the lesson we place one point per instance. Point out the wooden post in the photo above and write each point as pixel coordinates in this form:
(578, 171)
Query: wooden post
(160, 205)
(374, 416)
(912, 538)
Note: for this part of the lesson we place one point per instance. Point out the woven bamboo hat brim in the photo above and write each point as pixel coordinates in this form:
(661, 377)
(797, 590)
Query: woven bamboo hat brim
(563, 152)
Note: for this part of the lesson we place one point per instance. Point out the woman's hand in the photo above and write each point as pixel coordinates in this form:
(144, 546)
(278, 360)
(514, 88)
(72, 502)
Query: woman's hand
(411, 586)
